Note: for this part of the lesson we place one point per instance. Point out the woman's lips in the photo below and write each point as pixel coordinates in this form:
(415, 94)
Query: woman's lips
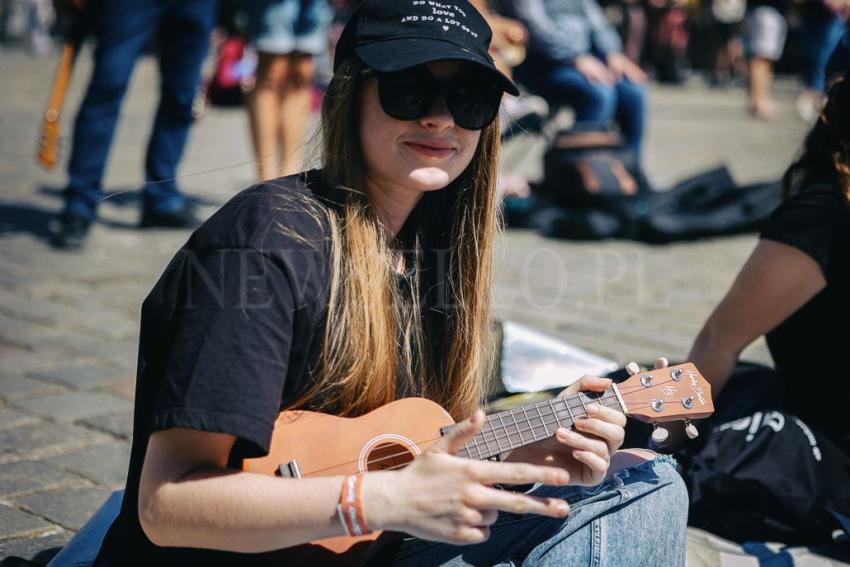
(430, 149)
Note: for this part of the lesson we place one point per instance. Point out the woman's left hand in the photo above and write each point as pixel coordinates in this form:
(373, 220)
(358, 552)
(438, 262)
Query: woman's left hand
(585, 451)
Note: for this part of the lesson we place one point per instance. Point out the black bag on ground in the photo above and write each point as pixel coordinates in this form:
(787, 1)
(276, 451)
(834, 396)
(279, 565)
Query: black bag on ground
(708, 204)
(588, 166)
(769, 476)
(704, 205)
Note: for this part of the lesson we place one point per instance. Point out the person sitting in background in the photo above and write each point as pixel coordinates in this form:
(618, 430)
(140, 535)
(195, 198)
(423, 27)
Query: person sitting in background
(575, 58)
(793, 288)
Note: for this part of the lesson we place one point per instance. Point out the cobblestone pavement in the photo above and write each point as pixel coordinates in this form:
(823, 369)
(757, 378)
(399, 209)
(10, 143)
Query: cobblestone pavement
(69, 321)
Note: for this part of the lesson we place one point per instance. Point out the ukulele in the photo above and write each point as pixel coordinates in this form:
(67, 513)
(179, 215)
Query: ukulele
(306, 444)
(48, 145)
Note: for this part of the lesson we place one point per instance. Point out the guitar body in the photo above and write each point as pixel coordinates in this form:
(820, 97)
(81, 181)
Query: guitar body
(306, 444)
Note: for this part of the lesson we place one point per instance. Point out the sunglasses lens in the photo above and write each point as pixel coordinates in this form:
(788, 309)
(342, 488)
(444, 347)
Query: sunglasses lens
(405, 96)
(473, 105)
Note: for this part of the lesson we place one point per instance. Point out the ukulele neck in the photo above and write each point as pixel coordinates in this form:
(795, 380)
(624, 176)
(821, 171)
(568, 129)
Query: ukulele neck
(517, 427)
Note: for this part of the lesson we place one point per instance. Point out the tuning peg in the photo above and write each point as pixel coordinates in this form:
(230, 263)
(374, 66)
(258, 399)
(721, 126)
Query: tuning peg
(691, 430)
(659, 435)
(632, 368)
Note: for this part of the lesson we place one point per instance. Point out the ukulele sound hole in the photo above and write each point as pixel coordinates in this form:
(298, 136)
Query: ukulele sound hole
(389, 456)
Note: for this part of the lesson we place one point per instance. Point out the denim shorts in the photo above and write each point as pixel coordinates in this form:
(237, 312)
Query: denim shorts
(636, 517)
(285, 26)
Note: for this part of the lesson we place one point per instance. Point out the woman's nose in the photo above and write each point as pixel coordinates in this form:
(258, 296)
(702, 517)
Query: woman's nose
(438, 116)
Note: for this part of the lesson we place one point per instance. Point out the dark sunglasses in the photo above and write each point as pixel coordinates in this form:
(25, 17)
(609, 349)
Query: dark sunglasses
(473, 99)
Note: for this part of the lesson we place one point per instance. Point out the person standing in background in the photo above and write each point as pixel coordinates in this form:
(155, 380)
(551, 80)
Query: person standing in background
(287, 35)
(822, 26)
(765, 30)
(123, 28)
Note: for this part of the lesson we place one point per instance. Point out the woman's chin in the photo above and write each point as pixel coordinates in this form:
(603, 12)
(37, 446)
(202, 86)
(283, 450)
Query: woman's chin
(430, 178)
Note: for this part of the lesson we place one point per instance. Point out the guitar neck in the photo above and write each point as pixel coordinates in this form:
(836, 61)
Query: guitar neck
(517, 427)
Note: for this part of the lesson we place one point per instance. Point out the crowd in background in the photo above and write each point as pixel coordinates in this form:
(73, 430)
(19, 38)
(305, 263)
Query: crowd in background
(593, 57)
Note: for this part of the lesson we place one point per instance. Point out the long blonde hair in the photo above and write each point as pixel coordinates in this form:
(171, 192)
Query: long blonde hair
(443, 334)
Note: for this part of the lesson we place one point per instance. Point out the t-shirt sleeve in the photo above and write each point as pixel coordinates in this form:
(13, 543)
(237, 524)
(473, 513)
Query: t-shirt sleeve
(228, 360)
(805, 221)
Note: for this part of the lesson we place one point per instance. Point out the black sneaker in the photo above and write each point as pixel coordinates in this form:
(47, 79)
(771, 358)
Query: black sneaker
(181, 218)
(69, 231)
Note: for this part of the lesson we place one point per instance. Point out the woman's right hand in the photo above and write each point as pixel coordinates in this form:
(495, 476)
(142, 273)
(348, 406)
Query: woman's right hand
(443, 497)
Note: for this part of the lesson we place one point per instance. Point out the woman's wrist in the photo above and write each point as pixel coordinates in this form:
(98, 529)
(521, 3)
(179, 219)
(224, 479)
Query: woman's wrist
(376, 500)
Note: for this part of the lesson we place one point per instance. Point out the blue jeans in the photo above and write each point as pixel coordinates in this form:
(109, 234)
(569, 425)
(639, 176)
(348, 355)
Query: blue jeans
(821, 32)
(122, 29)
(637, 517)
(82, 550)
(563, 84)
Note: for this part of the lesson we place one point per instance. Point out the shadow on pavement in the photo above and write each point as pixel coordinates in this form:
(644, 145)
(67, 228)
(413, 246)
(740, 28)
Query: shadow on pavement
(40, 558)
(18, 218)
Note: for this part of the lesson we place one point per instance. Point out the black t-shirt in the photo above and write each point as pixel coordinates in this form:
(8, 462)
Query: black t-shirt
(229, 334)
(808, 347)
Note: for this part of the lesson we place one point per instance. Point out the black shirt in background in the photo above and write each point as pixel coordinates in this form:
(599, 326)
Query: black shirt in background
(808, 347)
(229, 334)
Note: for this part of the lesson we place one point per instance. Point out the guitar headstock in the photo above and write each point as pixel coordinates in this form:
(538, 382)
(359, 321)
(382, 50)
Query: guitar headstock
(668, 394)
(48, 147)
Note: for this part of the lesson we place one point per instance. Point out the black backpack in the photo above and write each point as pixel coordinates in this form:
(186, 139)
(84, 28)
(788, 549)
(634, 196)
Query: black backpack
(588, 167)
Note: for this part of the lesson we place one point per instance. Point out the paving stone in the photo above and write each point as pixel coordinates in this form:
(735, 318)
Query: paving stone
(38, 550)
(104, 464)
(118, 424)
(45, 439)
(124, 329)
(10, 418)
(16, 523)
(11, 327)
(23, 477)
(82, 377)
(20, 387)
(74, 405)
(68, 507)
(124, 388)
(34, 310)
(26, 362)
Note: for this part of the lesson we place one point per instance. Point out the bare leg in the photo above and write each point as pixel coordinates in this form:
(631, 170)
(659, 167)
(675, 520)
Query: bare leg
(264, 111)
(295, 111)
(761, 83)
(627, 458)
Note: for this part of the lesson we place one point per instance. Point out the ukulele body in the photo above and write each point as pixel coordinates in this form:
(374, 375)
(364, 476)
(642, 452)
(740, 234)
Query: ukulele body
(308, 444)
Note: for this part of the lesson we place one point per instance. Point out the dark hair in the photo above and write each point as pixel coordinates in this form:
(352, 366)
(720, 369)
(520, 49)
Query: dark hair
(825, 157)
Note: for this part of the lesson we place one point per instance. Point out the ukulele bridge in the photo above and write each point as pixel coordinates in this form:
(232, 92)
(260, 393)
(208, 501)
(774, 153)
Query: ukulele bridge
(289, 470)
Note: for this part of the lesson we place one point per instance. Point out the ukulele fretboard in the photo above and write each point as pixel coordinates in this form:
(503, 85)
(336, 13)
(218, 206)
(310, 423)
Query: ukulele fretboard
(517, 427)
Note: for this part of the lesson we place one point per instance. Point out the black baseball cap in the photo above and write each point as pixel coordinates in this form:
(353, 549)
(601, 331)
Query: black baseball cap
(393, 35)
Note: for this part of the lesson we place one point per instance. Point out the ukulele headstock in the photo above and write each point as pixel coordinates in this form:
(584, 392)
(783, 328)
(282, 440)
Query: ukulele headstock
(667, 394)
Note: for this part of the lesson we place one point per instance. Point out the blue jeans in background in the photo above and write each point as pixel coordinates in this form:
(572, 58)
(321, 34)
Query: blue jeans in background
(562, 84)
(122, 29)
(820, 33)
